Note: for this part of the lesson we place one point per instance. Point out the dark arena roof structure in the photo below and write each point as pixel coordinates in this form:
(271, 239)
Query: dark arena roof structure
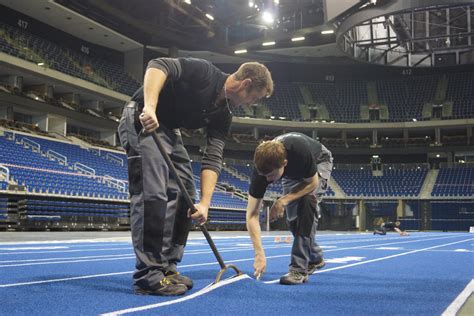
(403, 33)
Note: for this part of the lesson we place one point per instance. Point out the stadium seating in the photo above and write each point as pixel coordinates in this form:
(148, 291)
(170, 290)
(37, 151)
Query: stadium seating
(22, 44)
(40, 174)
(285, 101)
(458, 181)
(397, 183)
(460, 92)
(406, 96)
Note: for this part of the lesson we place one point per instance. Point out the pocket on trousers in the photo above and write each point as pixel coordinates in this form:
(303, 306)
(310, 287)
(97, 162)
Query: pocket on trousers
(135, 184)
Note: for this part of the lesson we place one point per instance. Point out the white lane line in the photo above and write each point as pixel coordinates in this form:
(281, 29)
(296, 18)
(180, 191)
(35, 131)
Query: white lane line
(381, 259)
(62, 251)
(328, 245)
(34, 248)
(390, 248)
(124, 272)
(72, 241)
(198, 252)
(128, 240)
(192, 265)
(208, 289)
(205, 290)
(456, 305)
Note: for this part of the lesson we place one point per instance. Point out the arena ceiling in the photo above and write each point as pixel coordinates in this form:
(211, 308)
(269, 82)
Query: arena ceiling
(236, 25)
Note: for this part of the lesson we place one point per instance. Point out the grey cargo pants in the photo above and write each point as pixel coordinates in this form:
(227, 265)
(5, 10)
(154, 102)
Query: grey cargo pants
(303, 214)
(158, 219)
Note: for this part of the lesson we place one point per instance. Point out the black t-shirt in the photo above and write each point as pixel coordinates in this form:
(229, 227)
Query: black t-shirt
(389, 225)
(188, 100)
(301, 153)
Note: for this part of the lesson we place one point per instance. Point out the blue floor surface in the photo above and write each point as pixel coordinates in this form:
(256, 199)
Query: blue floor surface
(419, 274)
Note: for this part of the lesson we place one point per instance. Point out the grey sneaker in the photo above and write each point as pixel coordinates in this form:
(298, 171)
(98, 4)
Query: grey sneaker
(177, 278)
(293, 278)
(166, 289)
(316, 266)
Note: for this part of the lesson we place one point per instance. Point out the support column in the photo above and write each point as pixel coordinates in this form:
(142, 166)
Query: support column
(255, 133)
(374, 137)
(437, 136)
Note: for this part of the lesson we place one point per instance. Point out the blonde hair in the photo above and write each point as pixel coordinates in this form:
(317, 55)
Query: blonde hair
(269, 155)
(258, 73)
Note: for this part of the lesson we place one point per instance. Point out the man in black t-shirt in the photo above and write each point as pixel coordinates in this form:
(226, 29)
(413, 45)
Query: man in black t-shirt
(305, 166)
(177, 93)
(389, 226)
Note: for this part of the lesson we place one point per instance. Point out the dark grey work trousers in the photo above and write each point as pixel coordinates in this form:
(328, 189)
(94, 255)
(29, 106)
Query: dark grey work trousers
(158, 219)
(302, 217)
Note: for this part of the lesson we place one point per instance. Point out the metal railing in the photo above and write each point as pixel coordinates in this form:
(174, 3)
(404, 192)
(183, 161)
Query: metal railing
(28, 143)
(114, 158)
(115, 183)
(55, 156)
(5, 172)
(84, 169)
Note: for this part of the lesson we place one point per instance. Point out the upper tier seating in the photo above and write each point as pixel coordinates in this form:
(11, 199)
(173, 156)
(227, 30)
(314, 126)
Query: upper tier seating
(361, 182)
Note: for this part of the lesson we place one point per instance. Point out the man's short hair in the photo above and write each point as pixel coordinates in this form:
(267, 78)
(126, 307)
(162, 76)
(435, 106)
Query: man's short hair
(269, 155)
(259, 74)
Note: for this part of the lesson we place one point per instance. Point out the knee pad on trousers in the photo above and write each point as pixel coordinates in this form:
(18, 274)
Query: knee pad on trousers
(182, 223)
(303, 223)
(153, 225)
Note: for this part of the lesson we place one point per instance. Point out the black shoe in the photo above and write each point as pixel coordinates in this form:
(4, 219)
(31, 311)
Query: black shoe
(315, 266)
(166, 289)
(293, 278)
(177, 278)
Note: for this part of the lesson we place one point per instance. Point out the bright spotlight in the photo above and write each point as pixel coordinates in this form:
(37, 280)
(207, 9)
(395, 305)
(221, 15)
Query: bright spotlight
(267, 17)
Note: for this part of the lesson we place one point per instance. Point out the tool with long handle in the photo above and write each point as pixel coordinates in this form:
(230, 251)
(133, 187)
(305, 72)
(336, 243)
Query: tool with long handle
(190, 204)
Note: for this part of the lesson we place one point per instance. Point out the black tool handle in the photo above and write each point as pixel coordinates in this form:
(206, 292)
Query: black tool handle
(188, 199)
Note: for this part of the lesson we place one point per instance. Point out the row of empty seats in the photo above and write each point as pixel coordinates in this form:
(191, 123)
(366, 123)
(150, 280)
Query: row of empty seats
(20, 43)
(397, 183)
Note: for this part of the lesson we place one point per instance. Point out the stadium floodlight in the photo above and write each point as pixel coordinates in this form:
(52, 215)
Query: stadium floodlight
(268, 44)
(437, 155)
(267, 17)
(240, 51)
(251, 3)
(327, 32)
(210, 17)
(298, 39)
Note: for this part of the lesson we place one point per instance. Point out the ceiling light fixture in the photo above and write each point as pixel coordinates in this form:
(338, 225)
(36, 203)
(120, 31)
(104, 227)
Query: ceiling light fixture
(298, 39)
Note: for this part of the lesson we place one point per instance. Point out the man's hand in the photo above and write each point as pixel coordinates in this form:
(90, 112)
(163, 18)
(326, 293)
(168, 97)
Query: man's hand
(259, 265)
(149, 120)
(277, 211)
(200, 215)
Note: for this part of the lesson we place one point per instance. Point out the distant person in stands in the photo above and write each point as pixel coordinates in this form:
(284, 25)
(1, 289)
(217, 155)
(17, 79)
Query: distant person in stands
(177, 93)
(389, 226)
(304, 165)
